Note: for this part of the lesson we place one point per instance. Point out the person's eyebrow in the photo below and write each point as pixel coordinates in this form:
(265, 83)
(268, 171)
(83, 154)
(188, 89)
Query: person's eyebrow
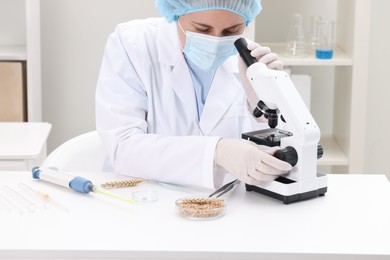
(209, 26)
(202, 24)
(234, 26)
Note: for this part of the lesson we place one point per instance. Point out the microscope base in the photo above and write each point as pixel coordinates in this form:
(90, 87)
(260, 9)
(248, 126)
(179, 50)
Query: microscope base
(287, 199)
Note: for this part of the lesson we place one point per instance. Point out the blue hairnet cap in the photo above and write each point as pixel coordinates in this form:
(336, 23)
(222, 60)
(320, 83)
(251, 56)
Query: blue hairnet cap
(172, 9)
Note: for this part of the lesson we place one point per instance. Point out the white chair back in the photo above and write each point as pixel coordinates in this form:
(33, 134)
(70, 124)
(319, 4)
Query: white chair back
(81, 153)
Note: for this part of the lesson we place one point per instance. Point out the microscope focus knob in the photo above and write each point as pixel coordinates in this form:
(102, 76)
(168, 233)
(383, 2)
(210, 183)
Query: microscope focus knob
(287, 154)
(320, 151)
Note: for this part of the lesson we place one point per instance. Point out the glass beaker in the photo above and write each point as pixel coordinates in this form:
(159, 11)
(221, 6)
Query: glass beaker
(296, 37)
(314, 20)
(324, 49)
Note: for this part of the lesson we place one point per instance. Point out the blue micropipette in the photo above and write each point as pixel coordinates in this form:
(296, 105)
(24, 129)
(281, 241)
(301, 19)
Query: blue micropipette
(77, 183)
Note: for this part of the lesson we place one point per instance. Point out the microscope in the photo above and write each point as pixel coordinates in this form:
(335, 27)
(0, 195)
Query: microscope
(298, 140)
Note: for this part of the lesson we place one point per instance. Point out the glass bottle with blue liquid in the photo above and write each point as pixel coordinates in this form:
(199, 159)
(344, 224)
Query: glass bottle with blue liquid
(325, 30)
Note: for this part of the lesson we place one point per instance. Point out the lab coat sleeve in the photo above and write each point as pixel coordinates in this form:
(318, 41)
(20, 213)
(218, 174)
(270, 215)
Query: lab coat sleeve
(121, 112)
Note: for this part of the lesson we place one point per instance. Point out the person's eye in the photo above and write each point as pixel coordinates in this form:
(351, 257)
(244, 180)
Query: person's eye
(203, 30)
(232, 32)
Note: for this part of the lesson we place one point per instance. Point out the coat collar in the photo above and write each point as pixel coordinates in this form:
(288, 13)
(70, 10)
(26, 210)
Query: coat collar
(223, 90)
(168, 47)
(170, 53)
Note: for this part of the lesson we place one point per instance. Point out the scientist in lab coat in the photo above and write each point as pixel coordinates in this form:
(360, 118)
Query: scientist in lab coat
(172, 99)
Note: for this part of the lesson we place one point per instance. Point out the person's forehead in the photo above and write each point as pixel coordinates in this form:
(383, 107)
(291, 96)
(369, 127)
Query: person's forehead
(214, 17)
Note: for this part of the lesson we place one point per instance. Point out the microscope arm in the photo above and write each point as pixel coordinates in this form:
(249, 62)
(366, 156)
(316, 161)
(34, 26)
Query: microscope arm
(276, 87)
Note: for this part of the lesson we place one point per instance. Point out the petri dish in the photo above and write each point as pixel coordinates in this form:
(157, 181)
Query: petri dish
(200, 208)
(145, 196)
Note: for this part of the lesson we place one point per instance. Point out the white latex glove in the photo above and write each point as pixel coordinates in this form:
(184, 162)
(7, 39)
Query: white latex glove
(264, 55)
(247, 162)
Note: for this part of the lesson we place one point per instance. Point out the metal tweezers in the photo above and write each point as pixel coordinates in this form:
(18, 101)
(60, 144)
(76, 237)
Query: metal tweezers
(225, 189)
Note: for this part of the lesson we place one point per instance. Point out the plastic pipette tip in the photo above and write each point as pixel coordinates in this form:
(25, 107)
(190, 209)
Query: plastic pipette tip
(111, 195)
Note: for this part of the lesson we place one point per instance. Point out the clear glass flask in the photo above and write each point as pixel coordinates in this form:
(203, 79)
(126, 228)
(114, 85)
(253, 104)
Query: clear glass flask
(296, 37)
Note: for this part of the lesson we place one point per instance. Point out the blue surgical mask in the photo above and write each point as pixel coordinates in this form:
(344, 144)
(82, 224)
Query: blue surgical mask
(208, 52)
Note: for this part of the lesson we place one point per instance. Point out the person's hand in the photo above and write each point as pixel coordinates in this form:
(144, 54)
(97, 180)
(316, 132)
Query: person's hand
(247, 162)
(264, 55)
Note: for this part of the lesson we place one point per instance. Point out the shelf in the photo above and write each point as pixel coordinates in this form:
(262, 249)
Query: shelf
(340, 58)
(333, 154)
(13, 53)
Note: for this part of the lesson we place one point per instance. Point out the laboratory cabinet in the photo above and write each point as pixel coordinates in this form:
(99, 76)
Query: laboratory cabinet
(23, 145)
(20, 53)
(338, 85)
(12, 92)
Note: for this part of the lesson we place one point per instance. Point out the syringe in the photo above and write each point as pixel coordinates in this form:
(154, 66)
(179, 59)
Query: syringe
(77, 183)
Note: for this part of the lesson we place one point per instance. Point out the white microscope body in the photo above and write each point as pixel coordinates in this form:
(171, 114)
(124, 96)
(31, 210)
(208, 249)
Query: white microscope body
(303, 182)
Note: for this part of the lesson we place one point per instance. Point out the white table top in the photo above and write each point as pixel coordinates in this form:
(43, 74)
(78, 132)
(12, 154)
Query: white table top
(22, 140)
(352, 221)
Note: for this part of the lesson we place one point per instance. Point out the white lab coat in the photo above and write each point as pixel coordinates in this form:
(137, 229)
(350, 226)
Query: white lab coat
(146, 112)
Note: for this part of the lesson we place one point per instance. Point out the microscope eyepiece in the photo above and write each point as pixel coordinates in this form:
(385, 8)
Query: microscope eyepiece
(242, 48)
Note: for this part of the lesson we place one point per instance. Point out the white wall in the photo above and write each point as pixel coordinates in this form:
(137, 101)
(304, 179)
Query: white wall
(12, 14)
(273, 24)
(378, 119)
(74, 33)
